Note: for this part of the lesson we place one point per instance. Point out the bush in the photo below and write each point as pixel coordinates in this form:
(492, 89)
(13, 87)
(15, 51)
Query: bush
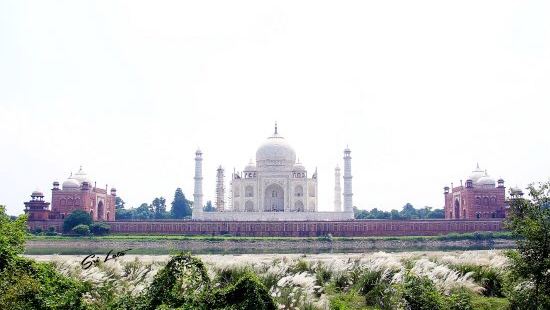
(78, 217)
(37, 231)
(51, 231)
(81, 230)
(100, 229)
(420, 293)
(460, 300)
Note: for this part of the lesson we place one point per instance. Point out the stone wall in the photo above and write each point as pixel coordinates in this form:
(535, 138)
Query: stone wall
(273, 216)
(352, 228)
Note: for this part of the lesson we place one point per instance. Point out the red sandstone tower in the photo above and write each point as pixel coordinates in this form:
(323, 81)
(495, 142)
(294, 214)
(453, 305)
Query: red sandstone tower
(37, 208)
(478, 199)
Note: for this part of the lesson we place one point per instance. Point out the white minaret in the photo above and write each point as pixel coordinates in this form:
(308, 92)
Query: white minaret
(220, 190)
(348, 195)
(337, 191)
(197, 195)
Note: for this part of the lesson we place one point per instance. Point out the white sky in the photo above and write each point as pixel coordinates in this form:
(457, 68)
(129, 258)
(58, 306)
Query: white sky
(420, 90)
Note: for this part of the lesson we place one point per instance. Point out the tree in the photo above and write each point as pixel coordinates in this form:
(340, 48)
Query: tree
(12, 237)
(208, 207)
(81, 229)
(408, 212)
(180, 206)
(77, 217)
(144, 212)
(119, 203)
(159, 208)
(100, 229)
(529, 220)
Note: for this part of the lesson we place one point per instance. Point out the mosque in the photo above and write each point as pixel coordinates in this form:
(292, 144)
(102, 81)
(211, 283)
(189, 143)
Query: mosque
(276, 187)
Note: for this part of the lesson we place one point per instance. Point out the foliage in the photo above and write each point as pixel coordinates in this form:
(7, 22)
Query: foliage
(408, 212)
(29, 285)
(208, 207)
(181, 207)
(12, 237)
(51, 231)
(119, 203)
(488, 277)
(420, 293)
(529, 219)
(81, 230)
(100, 229)
(159, 208)
(77, 217)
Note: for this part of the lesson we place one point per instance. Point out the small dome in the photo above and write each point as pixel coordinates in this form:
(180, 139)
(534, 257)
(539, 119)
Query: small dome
(275, 149)
(476, 174)
(82, 177)
(37, 193)
(486, 180)
(299, 166)
(251, 166)
(71, 183)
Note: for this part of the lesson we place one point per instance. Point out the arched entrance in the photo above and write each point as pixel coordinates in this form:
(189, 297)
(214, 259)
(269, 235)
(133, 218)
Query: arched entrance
(100, 211)
(299, 206)
(457, 208)
(249, 206)
(274, 198)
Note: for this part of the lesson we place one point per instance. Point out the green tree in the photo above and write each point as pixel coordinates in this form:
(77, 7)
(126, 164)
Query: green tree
(12, 237)
(119, 203)
(181, 207)
(143, 212)
(100, 229)
(208, 207)
(81, 230)
(159, 207)
(529, 220)
(408, 212)
(77, 217)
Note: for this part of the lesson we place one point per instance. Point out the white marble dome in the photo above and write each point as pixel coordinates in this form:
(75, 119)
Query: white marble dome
(82, 176)
(277, 150)
(71, 183)
(486, 181)
(476, 174)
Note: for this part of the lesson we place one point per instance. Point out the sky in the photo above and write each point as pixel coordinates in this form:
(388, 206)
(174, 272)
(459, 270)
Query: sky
(421, 91)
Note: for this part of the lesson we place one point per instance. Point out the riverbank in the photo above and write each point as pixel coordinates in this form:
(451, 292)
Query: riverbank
(38, 245)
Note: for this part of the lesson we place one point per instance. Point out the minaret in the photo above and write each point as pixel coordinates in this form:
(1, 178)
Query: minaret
(337, 191)
(197, 195)
(220, 190)
(348, 195)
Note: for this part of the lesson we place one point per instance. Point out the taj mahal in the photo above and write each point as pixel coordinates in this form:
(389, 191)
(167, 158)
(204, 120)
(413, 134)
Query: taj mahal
(276, 187)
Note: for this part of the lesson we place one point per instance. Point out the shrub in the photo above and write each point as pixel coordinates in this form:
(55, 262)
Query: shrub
(460, 300)
(76, 218)
(51, 231)
(37, 231)
(81, 230)
(100, 229)
(420, 293)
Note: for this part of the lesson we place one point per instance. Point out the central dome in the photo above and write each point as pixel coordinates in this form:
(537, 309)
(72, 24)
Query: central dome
(275, 151)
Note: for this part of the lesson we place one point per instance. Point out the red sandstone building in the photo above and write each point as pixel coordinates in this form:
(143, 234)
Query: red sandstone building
(480, 198)
(76, 193)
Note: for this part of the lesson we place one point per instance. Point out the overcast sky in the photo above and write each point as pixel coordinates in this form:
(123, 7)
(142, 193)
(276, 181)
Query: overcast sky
(419, 90)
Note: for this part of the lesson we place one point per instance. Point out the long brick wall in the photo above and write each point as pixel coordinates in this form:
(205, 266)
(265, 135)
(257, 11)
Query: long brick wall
(353, 228)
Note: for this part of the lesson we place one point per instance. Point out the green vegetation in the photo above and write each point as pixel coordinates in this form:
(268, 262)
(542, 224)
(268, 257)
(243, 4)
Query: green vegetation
(77, 217)
(81, 230)
(408, 212)
(529, 220)
(181, 208)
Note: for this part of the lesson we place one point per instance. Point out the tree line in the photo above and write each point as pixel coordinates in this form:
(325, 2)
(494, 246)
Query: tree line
(181, 208)
(408, 212)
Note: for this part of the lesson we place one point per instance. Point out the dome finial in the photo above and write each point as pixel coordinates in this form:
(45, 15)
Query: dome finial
(477, 165)
(275, 128)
